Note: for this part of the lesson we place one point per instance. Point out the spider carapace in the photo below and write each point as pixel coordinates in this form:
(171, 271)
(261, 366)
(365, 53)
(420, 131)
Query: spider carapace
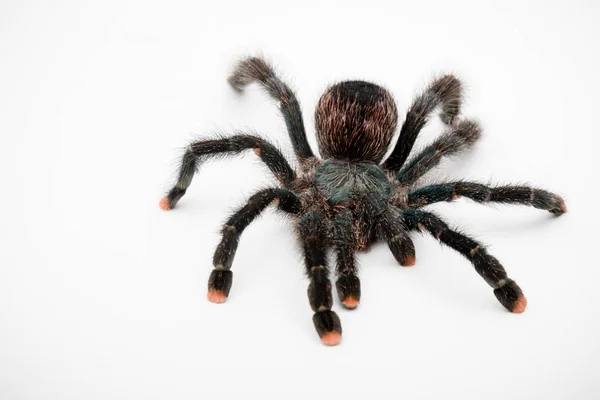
(350, 197)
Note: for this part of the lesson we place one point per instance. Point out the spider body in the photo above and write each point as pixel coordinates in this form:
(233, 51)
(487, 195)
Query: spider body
(341, 181)
(350, 198)
(355, 195)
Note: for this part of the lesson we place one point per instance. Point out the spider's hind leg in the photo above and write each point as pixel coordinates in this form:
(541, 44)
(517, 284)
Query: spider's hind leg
(462, 136)
(446, 92)
(255, 69)
(507, 292)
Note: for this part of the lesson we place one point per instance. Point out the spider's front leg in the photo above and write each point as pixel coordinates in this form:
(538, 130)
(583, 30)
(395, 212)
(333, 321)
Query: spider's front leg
(220, 279)
(507, 292)
(396, 234)
(348, 283)
(341, 236)
(314, 245)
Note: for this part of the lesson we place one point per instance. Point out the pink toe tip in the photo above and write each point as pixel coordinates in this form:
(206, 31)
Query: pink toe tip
(409, 262)
(164, 204)
(350, 302)
(520, 305)
(215, 296)
(331, 338)
(563, 205)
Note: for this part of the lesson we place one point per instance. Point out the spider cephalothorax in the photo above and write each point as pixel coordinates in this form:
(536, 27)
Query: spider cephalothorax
(349, 199)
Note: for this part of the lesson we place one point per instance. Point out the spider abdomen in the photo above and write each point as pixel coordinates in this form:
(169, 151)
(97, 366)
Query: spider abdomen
(355, 121)
(341, 181)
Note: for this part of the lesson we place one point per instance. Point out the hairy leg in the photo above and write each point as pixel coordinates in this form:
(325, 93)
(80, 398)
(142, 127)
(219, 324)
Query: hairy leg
(445, 92)
(258, 70)
(506, 290)
(450, 143)
(314, 245)
(341, 236)
(199, 151)
(524, 195)
(220, 279)
(395, 233)
(348, 283)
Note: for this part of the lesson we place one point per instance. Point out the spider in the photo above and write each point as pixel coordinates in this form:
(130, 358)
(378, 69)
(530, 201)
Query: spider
(351, 198)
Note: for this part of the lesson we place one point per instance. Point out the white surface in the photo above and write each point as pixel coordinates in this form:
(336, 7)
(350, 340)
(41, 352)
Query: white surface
(102, 295)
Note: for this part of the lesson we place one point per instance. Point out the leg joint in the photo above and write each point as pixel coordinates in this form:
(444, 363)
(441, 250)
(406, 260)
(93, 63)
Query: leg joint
(474, 250)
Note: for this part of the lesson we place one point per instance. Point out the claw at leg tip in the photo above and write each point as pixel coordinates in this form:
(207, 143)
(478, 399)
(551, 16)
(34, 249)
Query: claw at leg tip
(331, 338)
(409, 262)
(350, 302)
(563, 205)
(235, 85)
(215, 296)
(164, 204)
(520, 305)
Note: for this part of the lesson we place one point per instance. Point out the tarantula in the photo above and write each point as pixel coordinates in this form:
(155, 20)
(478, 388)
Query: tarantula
(349, 198)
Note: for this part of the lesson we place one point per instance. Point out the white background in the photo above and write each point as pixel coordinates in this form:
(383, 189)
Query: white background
(103, 295)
